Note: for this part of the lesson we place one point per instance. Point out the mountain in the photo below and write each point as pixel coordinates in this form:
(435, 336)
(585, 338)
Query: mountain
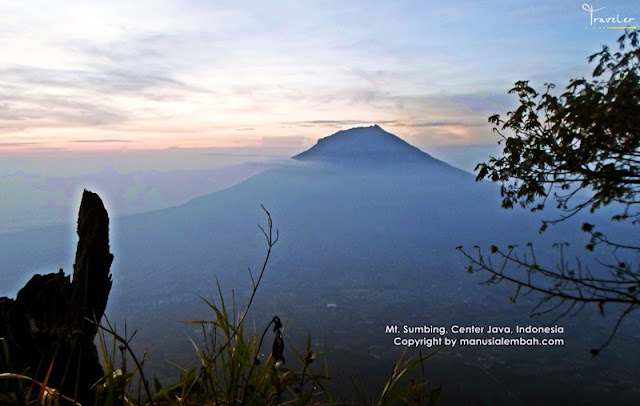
(368, 146)
(367, 223)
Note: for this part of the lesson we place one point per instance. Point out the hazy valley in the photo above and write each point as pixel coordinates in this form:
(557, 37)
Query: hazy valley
(369, 227)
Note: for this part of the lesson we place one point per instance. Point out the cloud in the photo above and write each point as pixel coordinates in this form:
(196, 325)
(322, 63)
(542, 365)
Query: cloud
(338, 123)
(54, 111)
(391, 106)
(477, 102)
(46, 149)
(102, 141)
(17, 144)
(40, 98)
(58, 97)
(286, 141)
(169, 70)
(391, 123)
(240, 154)
(105, 80)
(438, 124)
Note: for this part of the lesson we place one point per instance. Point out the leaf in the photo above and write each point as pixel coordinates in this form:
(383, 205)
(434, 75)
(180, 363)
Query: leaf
(482, 173)
(304, 400)
(586, 227)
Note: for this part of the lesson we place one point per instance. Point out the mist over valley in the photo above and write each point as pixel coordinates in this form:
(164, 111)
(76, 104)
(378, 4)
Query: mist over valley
(368, 228)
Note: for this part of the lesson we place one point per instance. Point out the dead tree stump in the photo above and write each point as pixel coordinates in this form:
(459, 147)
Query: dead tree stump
(51, 323)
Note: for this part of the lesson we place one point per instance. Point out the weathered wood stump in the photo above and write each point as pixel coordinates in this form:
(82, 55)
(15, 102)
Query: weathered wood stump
(51, 322)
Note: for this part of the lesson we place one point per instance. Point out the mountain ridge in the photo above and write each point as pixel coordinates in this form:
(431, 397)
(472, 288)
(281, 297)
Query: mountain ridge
(378, 243)
(367, 146)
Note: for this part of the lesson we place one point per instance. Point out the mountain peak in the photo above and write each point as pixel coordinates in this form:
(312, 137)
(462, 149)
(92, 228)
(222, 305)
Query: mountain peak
(363, 145)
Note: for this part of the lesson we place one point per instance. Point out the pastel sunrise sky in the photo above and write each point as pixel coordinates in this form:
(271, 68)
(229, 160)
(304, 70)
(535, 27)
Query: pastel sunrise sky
(153, 103)
(137, 75)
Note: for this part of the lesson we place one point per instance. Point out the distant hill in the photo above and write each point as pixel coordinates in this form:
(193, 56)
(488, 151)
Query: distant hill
(367, 146)
(367, 223)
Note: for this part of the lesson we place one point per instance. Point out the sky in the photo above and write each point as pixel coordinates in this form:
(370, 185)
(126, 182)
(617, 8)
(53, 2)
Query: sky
(95, 86)
(277, 75)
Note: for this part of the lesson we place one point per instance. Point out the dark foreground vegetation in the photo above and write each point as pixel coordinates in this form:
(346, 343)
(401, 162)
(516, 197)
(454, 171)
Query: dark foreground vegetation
(48, 355)
(579, 151)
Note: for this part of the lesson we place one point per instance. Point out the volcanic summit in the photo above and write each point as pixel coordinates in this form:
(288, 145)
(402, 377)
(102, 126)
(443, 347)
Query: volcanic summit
(366, 146)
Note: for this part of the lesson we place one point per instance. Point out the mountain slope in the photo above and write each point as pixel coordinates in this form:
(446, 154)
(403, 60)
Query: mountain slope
(367, 146)
(367, 222)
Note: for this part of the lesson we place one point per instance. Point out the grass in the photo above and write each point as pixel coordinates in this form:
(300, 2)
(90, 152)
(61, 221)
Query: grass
(232, 369)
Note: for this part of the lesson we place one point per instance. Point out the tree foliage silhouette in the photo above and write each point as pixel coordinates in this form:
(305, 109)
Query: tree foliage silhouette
(580, 150)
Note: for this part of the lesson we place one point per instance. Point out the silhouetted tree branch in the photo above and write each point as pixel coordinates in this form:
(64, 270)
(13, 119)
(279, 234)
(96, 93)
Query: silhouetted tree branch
(582, 150)
(563, 290)
(271, 240)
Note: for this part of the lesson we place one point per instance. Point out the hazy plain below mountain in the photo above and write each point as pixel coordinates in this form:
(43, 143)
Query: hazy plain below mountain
(32, 198)
(368, 228)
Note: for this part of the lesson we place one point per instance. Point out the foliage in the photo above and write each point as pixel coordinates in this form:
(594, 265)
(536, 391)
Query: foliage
(585, 139)
(19, 389)
(232, 368)
(581, 149)
(415, 392)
